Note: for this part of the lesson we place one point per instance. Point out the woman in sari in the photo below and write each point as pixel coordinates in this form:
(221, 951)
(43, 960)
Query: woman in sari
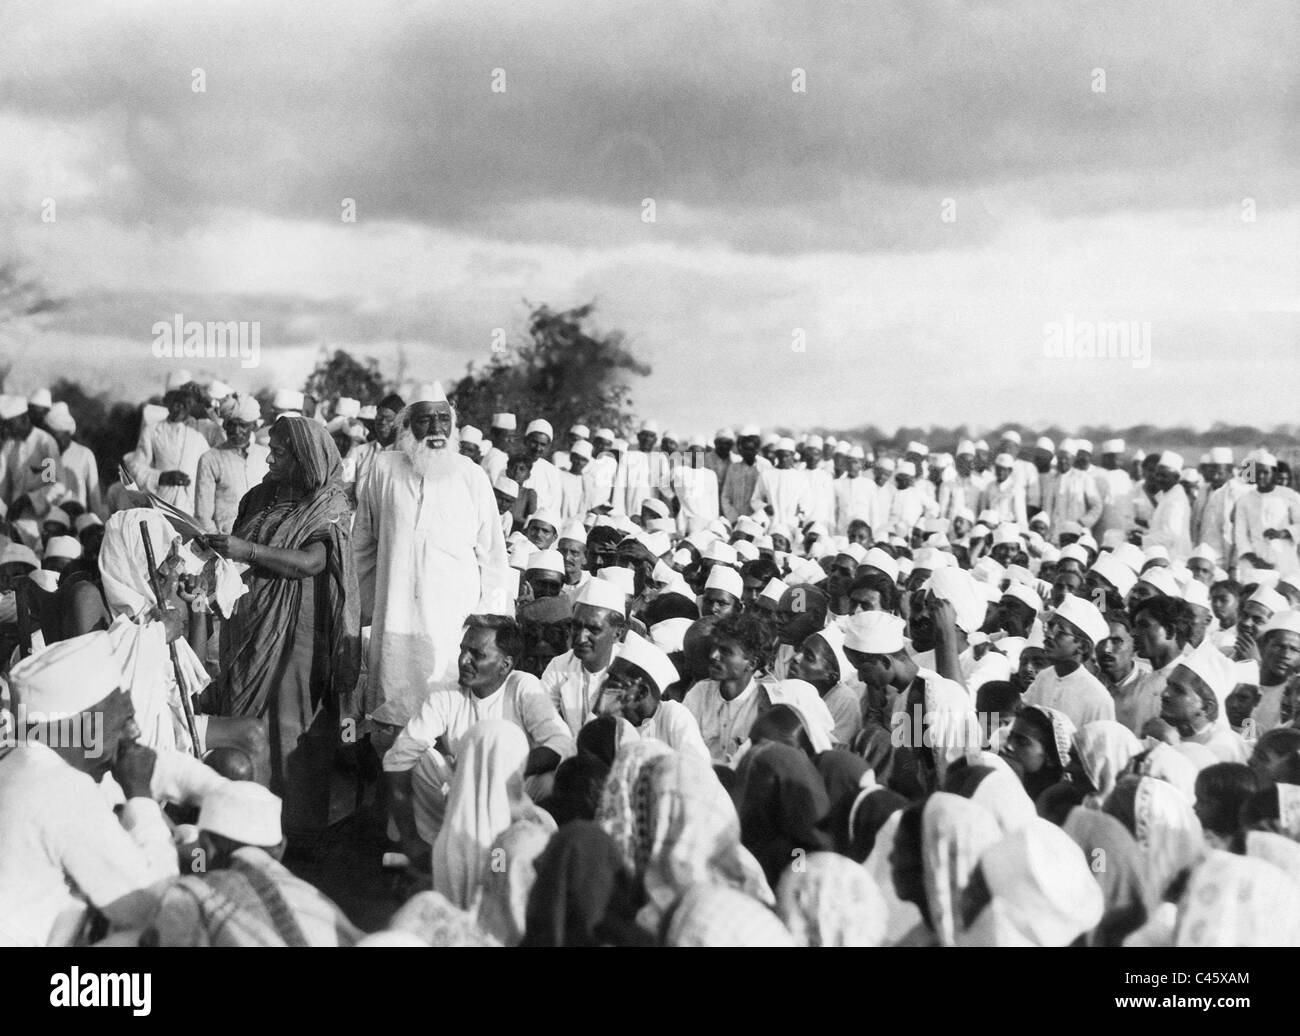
(291, 652)
(1104, 749)
(615, 813)
(1039, 747)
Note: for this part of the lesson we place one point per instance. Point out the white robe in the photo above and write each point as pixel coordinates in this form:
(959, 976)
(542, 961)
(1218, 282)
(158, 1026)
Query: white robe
(821, 497)
(855, 498)
(1117, 503)
(786, 490)
(79, 471)
(645, 476)
(545, 480)
(598, 485)
(697, 491)
(1255, 512)
(1171, 523)
(1217, 519)
(422, 550)
(1078, 497)
(19, 457)
(173, 446)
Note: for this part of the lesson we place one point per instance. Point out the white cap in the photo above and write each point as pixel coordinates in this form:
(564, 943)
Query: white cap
(1197, 593)
(1205, 552)
(649, 658)
(17, 554)
(874, 633)
(1022, 593)
(59, 516)
(656, 507)
(178, 379)
(621, 578)
(650, 426)
(601, 593)
(722, 553)
(1213, 667)
(1171, 460)
(68, 676)
(1074, 552)
(1191, 476)
(747, 525)
(857, 453)
(814, 442)
(657, 543)
(856, 551)
(573, 530)
(749, 431)
(1269, 598)
(1221, 455)
(1084, 617)
(346, 406)
(1006, 533)
(368, 412)
(471, 435)
(774, 589)
(42, 398)
(919, 448)
(1162, 579)
(784, 444)
(11, 407)
(1285, 620)
(878, 559)
(60, 419)
(604, 433)
(1130, 555)
(1113, 446)
(540, 425)
(63, 547)
(965, 448)
(429, 391)
(1115, 572)
(544, 517)
(581, 448)
(546, 561)
(834, 638)
(905, 467)
(841, 449)
(1011, 435)
(746, 551)
(956, 586)
(988, 571)
(520, 554)
(242, 811)
(1263, 458)
(726, 579)
(505, 422)
(505, 484)
(287, 399)
(886, 463)
(1046, 444)
(1004, 460)
(581, 431)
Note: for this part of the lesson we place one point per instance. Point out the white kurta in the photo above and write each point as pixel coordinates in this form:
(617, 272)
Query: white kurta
(821, 497)
(79, 471)
(1279, 508)
(546, 480)
(855, 498)
(881, 507)
(1008, 499)
(25, 465)
(786, 491)
(1171, 523)
(906, 510)
(697, 492)
(421, 551)
(570, 495)
(1216, 520)
(645, 476)
(172, 446)
(494, 463)
(598, 485)
(1078, 498)
(1117, 504)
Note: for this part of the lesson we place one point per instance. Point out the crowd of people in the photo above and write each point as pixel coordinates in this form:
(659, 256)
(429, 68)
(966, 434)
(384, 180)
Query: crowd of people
(758, 690)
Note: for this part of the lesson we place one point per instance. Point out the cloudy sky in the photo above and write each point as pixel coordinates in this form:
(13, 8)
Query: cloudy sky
(890, 244)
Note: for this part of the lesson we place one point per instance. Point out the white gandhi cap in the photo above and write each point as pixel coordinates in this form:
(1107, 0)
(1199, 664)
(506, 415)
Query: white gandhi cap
(243, 812)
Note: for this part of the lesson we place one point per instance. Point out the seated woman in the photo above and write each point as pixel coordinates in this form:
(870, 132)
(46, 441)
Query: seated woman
(1039, 748)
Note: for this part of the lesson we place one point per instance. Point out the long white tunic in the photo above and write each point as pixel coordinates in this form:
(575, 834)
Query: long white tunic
(1007, 498)
(1279, 508)
(1078, 498)
(697, 492)
(546, 480)
(786, 491)
(1117, 502)
(421, 550)
(645, 476)
(26, 464)
(821, 497)
(906, 510)
(1216, 519)
(79, 471)
(1171, 523)
(598, 485)
(173, 446)
(855, 498)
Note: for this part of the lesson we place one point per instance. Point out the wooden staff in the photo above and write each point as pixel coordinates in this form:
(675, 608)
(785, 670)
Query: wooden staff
(155, 581)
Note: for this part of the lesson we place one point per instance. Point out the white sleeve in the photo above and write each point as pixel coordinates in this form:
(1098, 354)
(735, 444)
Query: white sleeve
(420, 734)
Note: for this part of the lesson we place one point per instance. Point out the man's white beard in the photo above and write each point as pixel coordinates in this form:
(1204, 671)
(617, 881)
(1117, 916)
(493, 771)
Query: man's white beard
(429, 463)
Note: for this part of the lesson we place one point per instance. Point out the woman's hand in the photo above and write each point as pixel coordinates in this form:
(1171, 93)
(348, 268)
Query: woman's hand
(231, 547)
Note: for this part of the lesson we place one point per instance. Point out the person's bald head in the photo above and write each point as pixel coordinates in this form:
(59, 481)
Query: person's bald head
(232, 763)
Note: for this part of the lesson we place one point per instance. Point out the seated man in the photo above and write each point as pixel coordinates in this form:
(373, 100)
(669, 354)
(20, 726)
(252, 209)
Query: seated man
(573, 680)
(242, 895)
(61, 846)
(634, 688)
(420, 762)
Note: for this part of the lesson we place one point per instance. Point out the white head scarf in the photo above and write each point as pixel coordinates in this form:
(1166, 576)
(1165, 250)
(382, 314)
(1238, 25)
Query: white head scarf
(122, 561)
(1105, 748)
(478, 809)
(1238, 901)
(831, 901)
(954, 832)
(1168, 832)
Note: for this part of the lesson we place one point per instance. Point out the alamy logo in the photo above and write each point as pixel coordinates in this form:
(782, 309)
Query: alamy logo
(1098, 340)
(208, 340)
(96, 989)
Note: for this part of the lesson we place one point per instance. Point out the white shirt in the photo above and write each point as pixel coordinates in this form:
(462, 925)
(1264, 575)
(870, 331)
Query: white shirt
(173, 446)
(1279, 508)
(545, 480)
(1117, 501)
(854, 500)
(450, 713)
(60, 845)
(674, 724)
(1080, 695)
(724, 725)
(1171, 523)
(786, 490)
(573, 690)
(79, 471)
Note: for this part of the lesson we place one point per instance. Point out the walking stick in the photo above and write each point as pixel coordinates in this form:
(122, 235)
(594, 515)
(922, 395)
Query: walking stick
(155, 581)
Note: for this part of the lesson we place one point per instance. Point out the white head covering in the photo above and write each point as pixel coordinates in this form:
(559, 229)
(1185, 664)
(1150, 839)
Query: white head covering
(67, 677)
(540, 425)
(1085, 617)
(956, 586)
(123, 565)
(504, 421)
(290, 400)
(243, 811)
(60, 419)
(63, 547)
(1238, 901)
(600, 592)
(649, 658)
(804, 699)
(878, 559)
(727, 580)
(1115, 572)
(955, 831)
(478, 808)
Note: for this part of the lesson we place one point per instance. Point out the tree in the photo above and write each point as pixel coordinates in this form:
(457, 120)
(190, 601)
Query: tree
(21, 295)
(344, 375)
(566, 371)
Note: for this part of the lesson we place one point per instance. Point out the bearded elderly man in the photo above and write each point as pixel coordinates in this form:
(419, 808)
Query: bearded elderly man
(426, 534)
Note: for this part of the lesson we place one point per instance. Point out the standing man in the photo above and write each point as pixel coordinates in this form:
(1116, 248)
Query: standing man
(544, 477)
(741, 475)
(1117, 490)
(720, 458)
(696, 487)
(78, 469)
(384, 431)
(427, 533)
(782, 491)
(226, 473)
(1079, 494)
(502, 434)
(1171, 518)
(1266, 522)
(27, 451)
(172, 450)
(571, 483)
(855, 495)
(647, 471)
(1226, 488)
